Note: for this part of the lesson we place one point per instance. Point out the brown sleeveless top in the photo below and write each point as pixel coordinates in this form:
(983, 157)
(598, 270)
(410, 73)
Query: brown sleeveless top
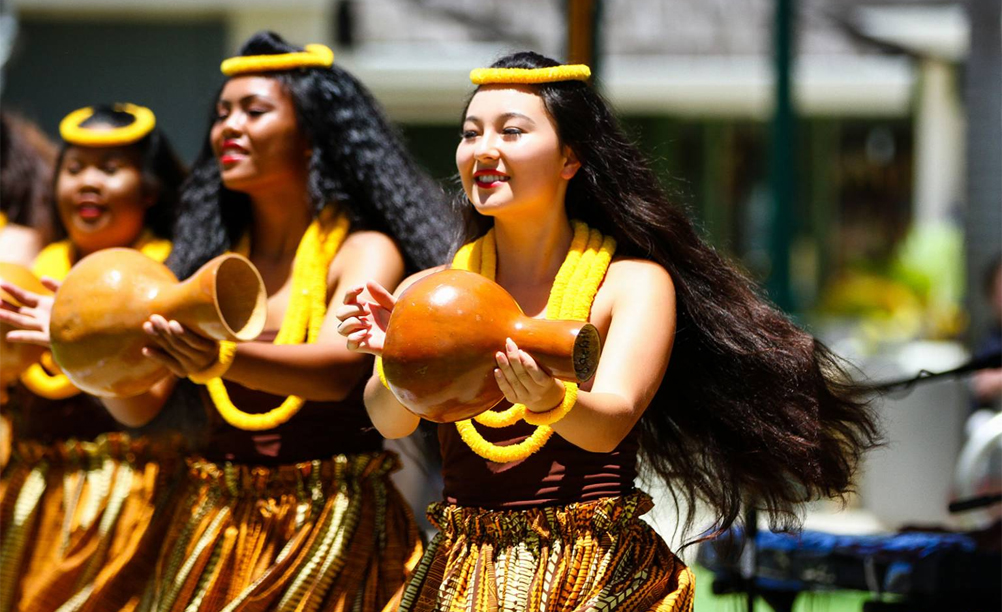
(558, 474)
(320, 430)
(82, 417)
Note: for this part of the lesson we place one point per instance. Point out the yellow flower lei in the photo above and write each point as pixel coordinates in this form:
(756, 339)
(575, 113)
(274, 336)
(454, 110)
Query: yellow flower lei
(3, 220)
(303, 317)
(527, 76)
(571, 297)
(55, 262)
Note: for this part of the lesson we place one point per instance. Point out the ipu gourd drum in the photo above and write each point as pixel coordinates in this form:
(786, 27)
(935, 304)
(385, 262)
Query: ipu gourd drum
(96, 326)
(443, 333)
(16, 357)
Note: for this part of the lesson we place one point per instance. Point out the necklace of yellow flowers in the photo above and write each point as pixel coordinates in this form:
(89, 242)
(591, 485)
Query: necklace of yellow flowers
(44, 378)
(571, 297)
(302, 322)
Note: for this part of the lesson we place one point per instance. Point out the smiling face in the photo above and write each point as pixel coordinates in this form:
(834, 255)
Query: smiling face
(256, 137)
(100, 195)
(510, 157)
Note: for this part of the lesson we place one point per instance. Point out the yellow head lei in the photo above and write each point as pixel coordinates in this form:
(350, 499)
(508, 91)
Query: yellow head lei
(315, 56)
(73, 132)
(530, 76)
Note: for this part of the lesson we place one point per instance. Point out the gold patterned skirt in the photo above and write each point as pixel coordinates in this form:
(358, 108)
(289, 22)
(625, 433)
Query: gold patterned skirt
(595, 555)
(81, 523)
(315, 536)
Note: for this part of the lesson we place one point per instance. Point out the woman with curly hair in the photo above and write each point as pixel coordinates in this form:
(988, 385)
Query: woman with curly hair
(289, 503)
(27, 158)
(541, 510)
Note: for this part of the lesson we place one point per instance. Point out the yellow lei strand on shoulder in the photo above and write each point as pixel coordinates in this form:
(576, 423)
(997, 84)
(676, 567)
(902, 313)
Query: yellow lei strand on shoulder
(55, 262)
(571, 297)
(303, 317)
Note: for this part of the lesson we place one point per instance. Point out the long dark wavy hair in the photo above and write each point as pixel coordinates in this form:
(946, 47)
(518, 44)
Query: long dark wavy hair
(752, 409)
(162, 171)
(27, 160)
(358, 161)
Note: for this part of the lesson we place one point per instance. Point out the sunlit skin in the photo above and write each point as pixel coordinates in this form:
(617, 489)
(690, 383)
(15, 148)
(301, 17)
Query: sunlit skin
(100, 196)
(256, 137)
(19, 244)
(510, 144)
(262, 152)
(102, 203)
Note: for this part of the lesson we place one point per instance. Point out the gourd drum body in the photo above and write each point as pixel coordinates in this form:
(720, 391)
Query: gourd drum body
(97, 317)
(438, 357)
(16, 357)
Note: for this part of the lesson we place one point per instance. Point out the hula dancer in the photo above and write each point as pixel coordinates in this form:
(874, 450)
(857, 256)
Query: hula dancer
(27, 158)
(289, 505)
(83, 504)
(541, 510)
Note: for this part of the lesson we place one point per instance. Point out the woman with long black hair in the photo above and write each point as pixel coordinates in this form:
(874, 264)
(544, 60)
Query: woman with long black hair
(566, 214)
(289, 503)
(82, 503)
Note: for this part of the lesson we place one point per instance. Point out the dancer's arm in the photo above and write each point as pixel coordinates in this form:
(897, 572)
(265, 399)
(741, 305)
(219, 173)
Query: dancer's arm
(323, 371)
(363, 324)
(640, 303)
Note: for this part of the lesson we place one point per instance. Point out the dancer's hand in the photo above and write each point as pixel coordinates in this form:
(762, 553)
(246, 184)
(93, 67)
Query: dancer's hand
(179, 349)
(363, 322)
(33, 317)
(523, 382)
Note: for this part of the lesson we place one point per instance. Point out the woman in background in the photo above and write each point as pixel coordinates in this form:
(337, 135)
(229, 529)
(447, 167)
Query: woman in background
(27, 158)
(82, 505)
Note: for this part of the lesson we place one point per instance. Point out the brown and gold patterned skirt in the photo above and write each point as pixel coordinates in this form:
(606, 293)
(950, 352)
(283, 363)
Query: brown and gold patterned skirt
(593, 555)
(321, 535)
(81, 523)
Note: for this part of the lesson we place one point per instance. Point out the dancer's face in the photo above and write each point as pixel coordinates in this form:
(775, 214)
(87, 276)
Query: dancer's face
(256, 137)
(100, 195)
(510, 157)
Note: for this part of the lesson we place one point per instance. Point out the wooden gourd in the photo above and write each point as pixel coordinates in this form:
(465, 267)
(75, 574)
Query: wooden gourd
(96, 326)
(443, 333)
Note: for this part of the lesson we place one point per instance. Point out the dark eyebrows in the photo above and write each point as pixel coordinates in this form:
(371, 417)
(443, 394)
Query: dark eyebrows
(502, 117)
(248, 99)
(516, 115)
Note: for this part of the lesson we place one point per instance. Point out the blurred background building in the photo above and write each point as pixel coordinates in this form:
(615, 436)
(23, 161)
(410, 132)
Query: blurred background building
(896, 165)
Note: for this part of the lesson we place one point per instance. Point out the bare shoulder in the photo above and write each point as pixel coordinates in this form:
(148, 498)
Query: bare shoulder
(630, 274)
(367, 253)
(369, 242)
(19, 244)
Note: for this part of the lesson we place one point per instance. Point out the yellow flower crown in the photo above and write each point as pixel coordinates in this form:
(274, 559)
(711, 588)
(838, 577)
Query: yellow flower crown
(73, 132)
(315, 56)
(530, 76)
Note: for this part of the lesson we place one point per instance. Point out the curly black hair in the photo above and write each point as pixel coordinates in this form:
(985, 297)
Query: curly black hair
(752, 409)
(358, 161)
(162, 171)
(27, 160)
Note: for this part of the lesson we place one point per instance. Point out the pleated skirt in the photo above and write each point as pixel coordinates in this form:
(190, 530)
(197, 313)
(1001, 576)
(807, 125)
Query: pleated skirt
(595, 555)
(316, 536)
(81, 522)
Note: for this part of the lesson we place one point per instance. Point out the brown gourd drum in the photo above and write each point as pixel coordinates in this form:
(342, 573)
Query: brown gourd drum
(438, 356)
(16, 357)
(97, 317)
